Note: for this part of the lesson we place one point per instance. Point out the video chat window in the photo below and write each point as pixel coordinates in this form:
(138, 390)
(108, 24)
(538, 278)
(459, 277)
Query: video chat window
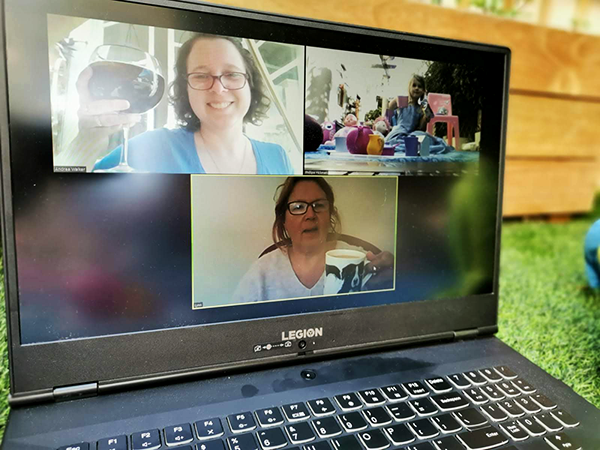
(390, 115)
(257, 239)
(134, 98)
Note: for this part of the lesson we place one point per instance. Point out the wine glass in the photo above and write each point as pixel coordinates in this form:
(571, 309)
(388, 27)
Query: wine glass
(127, 73)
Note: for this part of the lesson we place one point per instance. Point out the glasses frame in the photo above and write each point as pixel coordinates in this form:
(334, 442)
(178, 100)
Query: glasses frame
(214, 78)
(311, 204)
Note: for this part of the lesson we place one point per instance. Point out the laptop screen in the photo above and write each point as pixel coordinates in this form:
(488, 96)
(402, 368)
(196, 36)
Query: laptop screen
(174, 168)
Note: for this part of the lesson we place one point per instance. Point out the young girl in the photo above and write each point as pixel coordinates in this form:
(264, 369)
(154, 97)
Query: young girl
(411, 117)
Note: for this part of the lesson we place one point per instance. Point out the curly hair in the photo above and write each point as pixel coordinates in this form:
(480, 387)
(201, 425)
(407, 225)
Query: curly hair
(259, 103)
(279, 234)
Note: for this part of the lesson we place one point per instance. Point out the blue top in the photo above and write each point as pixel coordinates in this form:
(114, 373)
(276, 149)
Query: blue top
(174, 151)
(406, 121)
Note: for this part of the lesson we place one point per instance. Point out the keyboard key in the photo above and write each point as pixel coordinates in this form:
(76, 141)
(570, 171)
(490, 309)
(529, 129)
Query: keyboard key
(242, 442)
(373, 440)
(271, 438)
(216, 444)
(327, 427)
(448, 443)
(322, 445)
(421, 446)
(527, 405)
(491, 375)
(415, 389)
(399, 434)
(113, 443)
(145, 440)
(423, 407)
(507, 388)
(532, 426)
(348, 402)
(241, 422)
(401, 412)
(523, 386)
(295, 412)
(269, 417)
(506, 372)
(483, 438)
(493, 393)
(372, 397)
(543, 401)
(494, 412)
(562, 441)
(300, 433)
(438, 385)
(470, 418)
(446, 423)
(459, 381)
(511, 408)
(450, 402)
(178, 434)
(475, 378)
(82, 446)
(209, 428)
(394, 393)
(565, 418)
(476, 396)
(377, 417)
(515, 431)
(321, 407)
(346, 443)
(549, 422)
(353, 422)
(423, 429)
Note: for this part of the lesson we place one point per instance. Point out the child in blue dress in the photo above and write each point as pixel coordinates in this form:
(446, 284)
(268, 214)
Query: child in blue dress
(412, 119)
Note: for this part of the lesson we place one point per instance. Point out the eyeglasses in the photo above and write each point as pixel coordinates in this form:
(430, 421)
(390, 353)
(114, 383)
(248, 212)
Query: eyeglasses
(204, 81)
(299, 208)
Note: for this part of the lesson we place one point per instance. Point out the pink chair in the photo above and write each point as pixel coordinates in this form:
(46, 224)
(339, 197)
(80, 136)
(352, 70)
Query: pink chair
(436, 102)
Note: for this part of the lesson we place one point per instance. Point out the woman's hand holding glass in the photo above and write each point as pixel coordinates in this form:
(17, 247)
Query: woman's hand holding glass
(101, 117)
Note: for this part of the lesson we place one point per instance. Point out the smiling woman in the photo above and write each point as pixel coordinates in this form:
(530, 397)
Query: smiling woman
(217, 90)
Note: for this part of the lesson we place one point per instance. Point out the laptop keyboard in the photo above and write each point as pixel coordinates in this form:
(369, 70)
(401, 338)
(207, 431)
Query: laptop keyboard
(491, 408)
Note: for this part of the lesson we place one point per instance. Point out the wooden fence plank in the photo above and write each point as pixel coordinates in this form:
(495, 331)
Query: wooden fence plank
(544, 59)
(548, 187)
(543, 126)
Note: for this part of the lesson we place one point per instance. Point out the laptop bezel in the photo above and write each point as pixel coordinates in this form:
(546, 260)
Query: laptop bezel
(121, 360)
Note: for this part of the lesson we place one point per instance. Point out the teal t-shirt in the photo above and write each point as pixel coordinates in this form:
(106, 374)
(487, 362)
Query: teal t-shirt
(174, 151)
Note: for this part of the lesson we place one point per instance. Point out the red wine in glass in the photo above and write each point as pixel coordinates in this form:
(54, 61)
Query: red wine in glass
(141, 87)
(127, 73)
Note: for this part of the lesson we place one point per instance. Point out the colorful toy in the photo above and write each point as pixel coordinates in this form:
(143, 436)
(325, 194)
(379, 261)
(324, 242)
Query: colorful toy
(329, 130)
(381, 126)
(350, 121)
(591, 254)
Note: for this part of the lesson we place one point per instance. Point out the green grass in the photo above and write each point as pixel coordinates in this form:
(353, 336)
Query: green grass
(545, 311)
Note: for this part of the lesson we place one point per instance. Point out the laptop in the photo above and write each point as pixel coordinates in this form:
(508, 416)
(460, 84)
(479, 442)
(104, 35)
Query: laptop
(193, 260)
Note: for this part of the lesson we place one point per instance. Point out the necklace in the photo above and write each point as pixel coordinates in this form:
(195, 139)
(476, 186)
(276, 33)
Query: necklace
(207, 151)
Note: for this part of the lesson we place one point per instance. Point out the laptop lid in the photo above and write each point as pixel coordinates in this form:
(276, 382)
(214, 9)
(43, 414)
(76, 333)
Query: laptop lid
(116, 279)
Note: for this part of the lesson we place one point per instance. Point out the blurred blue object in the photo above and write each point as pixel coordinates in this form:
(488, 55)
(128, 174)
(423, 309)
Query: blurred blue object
(590, 253)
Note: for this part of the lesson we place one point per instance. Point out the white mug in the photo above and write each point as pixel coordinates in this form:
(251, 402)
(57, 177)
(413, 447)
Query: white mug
(345, 271)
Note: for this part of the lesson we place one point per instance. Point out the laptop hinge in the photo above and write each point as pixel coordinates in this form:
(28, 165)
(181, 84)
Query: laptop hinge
(474, 332)
(75, 391)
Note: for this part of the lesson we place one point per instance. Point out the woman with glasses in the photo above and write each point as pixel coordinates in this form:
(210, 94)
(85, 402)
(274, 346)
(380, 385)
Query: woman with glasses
(217, 90)
(305, 228)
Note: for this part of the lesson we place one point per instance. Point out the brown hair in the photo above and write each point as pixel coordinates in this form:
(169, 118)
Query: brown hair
(259, 103)
(279, 233)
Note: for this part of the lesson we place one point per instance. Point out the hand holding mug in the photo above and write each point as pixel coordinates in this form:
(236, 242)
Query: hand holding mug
(381, 265)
